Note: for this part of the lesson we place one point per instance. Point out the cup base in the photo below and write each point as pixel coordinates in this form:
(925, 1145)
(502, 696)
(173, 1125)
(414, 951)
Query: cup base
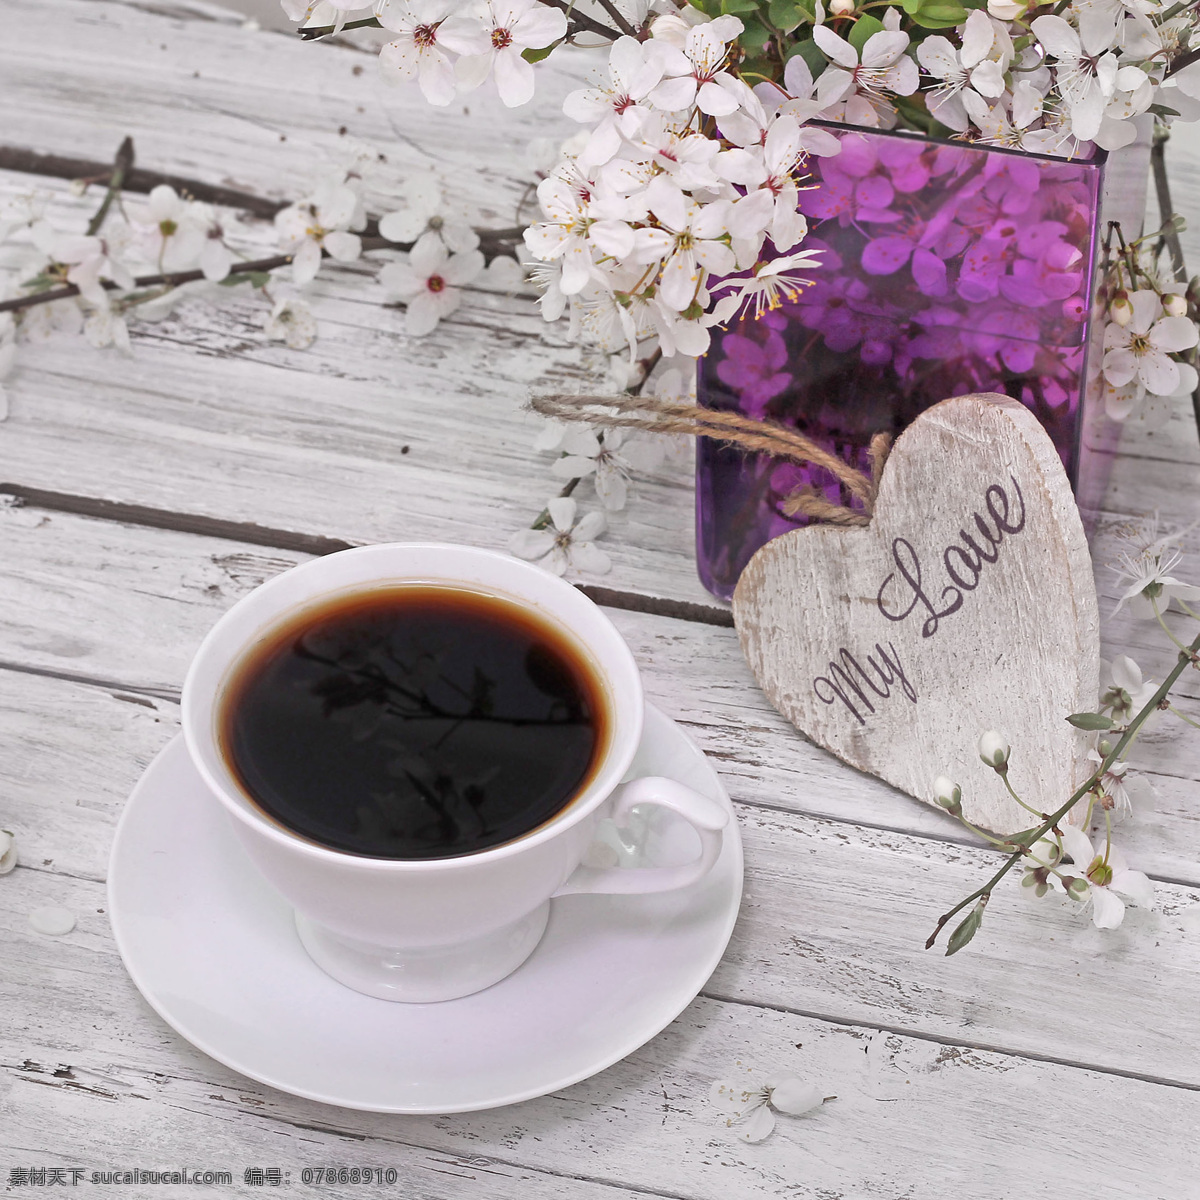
(428, 974)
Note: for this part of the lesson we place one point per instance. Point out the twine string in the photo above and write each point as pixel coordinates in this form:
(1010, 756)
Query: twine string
(652, 415)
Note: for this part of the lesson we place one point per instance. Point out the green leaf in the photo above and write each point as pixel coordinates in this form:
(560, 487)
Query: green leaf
(940, 15)
(756, 67)
(39, 283)
(536, 56)
(785, 14)
(736, 7)
(710, 8)
(811, 53)
(1090, 721)
(259, 279)
(755, 35)
(864, 28)
(912, 7)
(967, 929)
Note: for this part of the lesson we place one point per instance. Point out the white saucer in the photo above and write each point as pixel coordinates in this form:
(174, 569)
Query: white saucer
(214, 950)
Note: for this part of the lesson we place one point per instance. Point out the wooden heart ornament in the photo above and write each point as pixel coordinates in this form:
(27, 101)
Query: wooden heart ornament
(967, 604)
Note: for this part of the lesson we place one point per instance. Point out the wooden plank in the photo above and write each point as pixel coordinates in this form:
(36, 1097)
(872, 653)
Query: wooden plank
(368, 435)
(78, 592)
(208, 419)
(257, 110)
(835, 915)
(827, 910)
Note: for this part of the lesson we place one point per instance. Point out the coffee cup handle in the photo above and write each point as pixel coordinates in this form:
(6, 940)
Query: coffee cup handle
(705, 816)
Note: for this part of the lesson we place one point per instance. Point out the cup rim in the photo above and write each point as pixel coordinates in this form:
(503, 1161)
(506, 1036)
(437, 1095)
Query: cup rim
(605, 779)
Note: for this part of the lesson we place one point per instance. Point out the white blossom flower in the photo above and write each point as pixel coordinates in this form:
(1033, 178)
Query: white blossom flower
(690, 240)
(684, 154)
(172, 235)
(291, 321)
(8, 851)
(672, 28)
(427, 208)
(751, 1106)
(500, 34)
(610, 459)
(1123, 691)
(1120, 793)
(1144, 346)
(768, 286)
(1109, 881)
(430, 282)
(1086, 65)
(1015, 132)
(610, 314)
(693, 71)
(88, 260)
(768, 171)
(564, 237)
(965, 67)
(1147, 576)
(864, 83)
(567, 542)
(419, 52)
(614, 108)
(322, 222)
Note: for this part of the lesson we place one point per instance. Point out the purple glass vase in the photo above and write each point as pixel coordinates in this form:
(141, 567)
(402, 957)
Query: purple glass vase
(946, 268)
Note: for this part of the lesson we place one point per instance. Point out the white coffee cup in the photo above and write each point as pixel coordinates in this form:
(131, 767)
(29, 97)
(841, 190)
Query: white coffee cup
(435, 929)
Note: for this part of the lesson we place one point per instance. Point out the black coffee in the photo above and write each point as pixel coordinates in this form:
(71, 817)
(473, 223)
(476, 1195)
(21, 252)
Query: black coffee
(414, 722)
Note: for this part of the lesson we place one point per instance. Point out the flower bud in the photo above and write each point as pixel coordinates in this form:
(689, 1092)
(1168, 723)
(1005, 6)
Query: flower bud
(8, 852)
(1046, 851)
(1074, 308)
(1120, 309)
(994, 751)
(841, 8)
(1175, 305)
(1077, 888)
(1005, 10)
(948, 794)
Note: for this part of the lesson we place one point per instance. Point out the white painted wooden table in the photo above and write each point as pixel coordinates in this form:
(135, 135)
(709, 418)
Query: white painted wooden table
(144, 495)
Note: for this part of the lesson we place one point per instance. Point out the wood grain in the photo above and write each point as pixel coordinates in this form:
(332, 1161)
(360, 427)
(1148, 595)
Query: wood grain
(955, 1077)
(966, 605)
(836, 912)
(92, 1076)
(78, 592)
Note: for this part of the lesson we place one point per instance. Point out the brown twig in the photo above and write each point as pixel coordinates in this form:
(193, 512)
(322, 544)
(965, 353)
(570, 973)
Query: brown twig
(617, 17)
(581, 22)
(319, 31)
(136, 179)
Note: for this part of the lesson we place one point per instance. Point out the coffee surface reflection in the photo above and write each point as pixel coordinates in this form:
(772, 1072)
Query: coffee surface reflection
(414, 722)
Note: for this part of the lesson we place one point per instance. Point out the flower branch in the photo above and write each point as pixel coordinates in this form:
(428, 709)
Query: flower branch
(1126, 706)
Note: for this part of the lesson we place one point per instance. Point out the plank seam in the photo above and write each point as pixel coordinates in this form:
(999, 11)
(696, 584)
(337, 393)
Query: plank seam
(443, 1155)
(317, 544)
(945, 1040)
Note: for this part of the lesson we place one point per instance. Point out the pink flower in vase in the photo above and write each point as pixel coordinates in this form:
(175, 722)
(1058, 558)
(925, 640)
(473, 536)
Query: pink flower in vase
(907, 164)
(1012, 336)
(839, 307)
(752, 369)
